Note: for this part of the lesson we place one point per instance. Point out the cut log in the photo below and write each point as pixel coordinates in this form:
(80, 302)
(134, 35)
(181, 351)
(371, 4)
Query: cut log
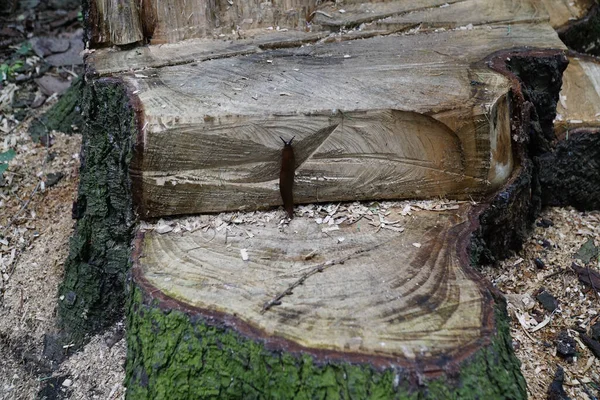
(169, 22)
(383, 306)
(158, 22)
(399, 299)
(432, 14)
(579, 105)
(390, 290)
(382, 118)
(384, 286)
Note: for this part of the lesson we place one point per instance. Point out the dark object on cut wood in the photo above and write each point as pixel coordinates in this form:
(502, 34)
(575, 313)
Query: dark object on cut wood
(556, 390)
(286, 177)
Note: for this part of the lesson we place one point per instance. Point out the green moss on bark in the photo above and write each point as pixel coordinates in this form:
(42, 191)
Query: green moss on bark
(63, 116)
(177, 356)
(92, 293)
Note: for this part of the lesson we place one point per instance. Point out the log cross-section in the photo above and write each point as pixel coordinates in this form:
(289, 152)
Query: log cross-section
(390, 294)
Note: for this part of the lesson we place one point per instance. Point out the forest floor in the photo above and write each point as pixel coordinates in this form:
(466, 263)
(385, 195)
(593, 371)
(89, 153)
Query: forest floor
(38, 184)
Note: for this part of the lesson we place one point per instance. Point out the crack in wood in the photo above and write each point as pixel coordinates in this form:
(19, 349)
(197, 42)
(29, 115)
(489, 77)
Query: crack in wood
(275, 301)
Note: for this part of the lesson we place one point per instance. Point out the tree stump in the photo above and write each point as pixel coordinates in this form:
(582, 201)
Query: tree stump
(385, 101)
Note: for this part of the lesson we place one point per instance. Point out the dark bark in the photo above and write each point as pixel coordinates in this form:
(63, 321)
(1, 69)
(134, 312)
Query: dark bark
(92, 293)
(570, 173)
(63, 116)
(509, 219)
(584, 35)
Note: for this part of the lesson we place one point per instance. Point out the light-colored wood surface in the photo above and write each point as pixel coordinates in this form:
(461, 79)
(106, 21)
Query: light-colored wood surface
(431, 14)
(105, 62)
(408, 294)
(412, 116)
(382, 18)
(562, 12)
(579, 105)
(127, 22)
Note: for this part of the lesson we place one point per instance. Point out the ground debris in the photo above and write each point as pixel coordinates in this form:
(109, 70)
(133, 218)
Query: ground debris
(559, 234)
(556, 390)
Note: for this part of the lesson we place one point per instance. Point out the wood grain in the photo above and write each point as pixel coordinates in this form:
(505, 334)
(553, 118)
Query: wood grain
(169, 22)
(579, 105)
(431, 14)
(382, 294)
(562, 12)
(382, 118)
(125, 22)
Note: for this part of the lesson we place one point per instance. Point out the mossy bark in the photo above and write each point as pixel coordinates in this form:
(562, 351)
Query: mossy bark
(174, 355)
(92, 294)
(64, 116)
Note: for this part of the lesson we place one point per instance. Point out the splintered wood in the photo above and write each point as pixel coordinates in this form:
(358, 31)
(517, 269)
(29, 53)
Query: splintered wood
(357, 287)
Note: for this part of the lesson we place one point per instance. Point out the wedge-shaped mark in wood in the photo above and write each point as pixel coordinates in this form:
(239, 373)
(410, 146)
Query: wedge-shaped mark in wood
(381, 292)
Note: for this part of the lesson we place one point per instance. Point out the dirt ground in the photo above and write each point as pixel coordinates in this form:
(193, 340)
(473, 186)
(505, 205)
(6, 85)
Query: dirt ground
(34, 249)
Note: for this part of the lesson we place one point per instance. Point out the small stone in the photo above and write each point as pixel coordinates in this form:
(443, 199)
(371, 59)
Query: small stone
(556, 390)
(596, 331)
(53, 178)
(67, 383)
(587, 252)
(545, 223)
(70, 298)
(547, 301)
(565, 345)
(539, 263)
(38, 100)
